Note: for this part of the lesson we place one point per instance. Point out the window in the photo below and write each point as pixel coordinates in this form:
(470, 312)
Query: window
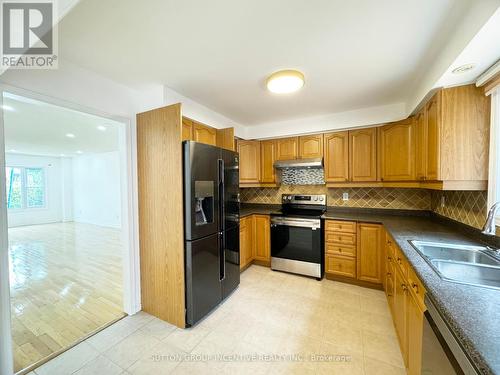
(25, 187)
(494, 174)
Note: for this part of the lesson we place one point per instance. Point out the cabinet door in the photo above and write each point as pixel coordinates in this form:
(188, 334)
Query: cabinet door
(246, 241)
(432, 122)
(390, 283)
(369, 256)
(363, 155)
(249, 162)
(311, 146)
(337, 157)
(341, 266)
(415, 319)
(187, 129)
(397, 151)
(268, 157)
(204, 134)
(400, 311)
(420, 145)
(287, 148)
(262, 243)
(225, 138)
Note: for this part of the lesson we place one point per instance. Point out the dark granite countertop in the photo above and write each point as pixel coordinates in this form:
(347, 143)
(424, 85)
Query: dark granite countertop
(258, 209)
(472, 313)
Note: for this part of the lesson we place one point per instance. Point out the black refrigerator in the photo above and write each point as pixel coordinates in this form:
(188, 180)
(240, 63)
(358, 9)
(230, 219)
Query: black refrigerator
(211, 226)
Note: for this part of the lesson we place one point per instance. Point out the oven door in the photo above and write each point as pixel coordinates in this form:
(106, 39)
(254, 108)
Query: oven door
(296, 239)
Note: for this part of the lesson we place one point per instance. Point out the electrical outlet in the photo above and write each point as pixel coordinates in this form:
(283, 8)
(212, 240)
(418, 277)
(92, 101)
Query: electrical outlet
(443, 201)
(345, 196)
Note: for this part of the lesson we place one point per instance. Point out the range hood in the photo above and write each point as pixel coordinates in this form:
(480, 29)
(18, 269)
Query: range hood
(299, 163)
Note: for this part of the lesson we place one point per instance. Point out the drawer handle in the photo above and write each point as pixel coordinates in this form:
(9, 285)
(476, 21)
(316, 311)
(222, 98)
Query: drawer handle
(389, 258)
(399, 260)
(415, 286)
(389, 274)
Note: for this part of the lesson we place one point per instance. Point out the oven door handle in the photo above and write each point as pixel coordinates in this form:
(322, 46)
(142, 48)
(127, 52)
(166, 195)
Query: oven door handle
(296, 223)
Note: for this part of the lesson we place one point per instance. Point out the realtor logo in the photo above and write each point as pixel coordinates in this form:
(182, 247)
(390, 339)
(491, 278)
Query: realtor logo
(28, 35)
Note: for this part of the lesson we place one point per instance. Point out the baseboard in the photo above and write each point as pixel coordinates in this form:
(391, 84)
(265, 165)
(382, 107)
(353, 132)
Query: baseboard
(349, 280)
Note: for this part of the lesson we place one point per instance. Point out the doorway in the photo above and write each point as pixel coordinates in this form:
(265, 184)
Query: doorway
(67, 233)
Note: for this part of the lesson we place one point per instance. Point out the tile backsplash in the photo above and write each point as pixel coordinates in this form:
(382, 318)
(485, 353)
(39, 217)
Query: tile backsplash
(303, 176)
(468, 207)
(411, 199)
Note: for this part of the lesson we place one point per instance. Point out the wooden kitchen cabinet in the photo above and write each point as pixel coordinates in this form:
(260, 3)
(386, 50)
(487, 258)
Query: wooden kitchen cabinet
(187, 129)
(363, 155)
(397, 151)
(204, 134)
(336, 149)
(246, 241)
(400, 311)
(452, 139)
(369, 256)
(340, 266)
(225, 138)
(267, 157)
(311, 146)
(262, 238)
(287, 148)
(249, 161)
(420, 145)
(415, 320)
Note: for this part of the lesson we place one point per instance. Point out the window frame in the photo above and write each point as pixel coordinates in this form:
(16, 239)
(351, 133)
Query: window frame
(24, 199)
(494, 153)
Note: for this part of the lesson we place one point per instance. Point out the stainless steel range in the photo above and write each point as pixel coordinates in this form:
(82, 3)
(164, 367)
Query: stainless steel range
(296, 235)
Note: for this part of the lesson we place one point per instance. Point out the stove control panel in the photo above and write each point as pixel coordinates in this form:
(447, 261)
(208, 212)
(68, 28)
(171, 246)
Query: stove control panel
(319, 199)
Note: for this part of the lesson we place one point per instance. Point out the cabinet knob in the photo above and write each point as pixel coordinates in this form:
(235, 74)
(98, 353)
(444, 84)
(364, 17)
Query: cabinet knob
(415, 286)
(399, 260)
(340, 250)
(388, 274)
(403, 286)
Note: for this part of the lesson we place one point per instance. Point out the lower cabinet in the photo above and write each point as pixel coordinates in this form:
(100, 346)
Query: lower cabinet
(370, 245)
(339, 265)
(255, 240)
(262, 238)
(246, 241)
(405, 295)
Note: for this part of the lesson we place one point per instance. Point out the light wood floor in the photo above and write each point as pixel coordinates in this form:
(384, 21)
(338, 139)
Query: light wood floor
(66, 281)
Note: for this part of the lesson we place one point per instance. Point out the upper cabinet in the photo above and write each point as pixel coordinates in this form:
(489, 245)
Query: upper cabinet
(453, 139)
(204, 134)
(187, 129)
(311, 146)
(249, 161)
(337, 157)
(363, 155)
(267, 159)
(287, 148)
(397, 151)
(225, 138)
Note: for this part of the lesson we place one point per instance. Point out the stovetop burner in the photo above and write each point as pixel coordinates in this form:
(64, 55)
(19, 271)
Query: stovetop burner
(302, 205)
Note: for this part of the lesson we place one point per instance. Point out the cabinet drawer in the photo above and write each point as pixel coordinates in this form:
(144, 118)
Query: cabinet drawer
(341, 266)
(345, 250)
(340, 226)
(416, 287)
(340, 238)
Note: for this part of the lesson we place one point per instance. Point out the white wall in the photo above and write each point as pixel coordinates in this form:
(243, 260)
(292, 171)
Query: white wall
(52, 213)
(96, 189)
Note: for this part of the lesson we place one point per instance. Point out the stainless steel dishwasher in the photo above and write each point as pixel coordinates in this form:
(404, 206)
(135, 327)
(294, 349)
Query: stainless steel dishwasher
(441, 352)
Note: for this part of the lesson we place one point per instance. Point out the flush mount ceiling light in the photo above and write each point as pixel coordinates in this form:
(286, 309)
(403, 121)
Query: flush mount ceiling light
(285, 81)
(70, 135)
(101, 128)
(463, 68)
(79, 152)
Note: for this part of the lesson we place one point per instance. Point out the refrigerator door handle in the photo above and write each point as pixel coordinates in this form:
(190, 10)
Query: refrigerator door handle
(222, 258)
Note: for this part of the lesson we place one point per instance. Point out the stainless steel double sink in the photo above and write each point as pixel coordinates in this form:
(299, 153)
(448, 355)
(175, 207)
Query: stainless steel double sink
(471, 265)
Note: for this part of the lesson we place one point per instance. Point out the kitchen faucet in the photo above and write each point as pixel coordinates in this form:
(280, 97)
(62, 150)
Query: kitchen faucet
(489, 227)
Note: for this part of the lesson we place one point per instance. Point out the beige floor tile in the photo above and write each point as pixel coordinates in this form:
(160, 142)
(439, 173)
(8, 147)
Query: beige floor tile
(195, 368)
(163, 358)
(345, 337)
(187, 339)
(383, 348)
(130, 349)
(98, 366)
(70, 361)
(158, 328)
(374, 367)
(375, 305)
(339, 358)
(378, 324)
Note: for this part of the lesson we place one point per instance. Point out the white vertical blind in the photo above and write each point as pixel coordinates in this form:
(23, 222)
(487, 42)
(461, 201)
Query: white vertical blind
(494, 166)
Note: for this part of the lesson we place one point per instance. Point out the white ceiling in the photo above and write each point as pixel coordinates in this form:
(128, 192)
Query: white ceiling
(36, 128)
(354, 54)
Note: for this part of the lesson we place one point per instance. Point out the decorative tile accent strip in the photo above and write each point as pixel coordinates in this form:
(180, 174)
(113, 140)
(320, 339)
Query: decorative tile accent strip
(411, 199)
(468, 207)
(302, 176)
